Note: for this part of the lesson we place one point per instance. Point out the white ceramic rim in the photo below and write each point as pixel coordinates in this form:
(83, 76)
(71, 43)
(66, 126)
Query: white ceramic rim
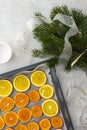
(10, 52)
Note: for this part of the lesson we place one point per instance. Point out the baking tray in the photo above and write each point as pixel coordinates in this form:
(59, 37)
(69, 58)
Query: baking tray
(57, 87)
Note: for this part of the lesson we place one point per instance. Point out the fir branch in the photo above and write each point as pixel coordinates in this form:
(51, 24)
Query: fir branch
(39, 14)
(56, 10)
(52, 43)
(52, 36)
(40, 53)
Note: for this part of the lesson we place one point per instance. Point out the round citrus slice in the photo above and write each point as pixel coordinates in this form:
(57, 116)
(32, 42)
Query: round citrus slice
(5, 88)
(6, 104)
(34, 96)
(24, 114)
(45, 124)
(21, 83)
(36, 111)
(11, 118)
(9, 129)
(50, 107)
(38, 78)
(21, 99)
(33, 126)
(57, 122)
(46, 91)
(21, 127)
(2, 123)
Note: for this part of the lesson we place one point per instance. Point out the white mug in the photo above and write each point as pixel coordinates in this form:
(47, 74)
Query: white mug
(5, 52)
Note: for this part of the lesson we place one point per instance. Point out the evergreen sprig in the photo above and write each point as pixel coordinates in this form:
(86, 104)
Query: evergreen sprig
(51, 35)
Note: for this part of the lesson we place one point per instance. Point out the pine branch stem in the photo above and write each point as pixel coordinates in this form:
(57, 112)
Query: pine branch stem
(78, 58)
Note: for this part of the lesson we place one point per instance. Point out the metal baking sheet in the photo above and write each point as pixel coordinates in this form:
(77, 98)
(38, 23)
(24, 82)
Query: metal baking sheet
(58, 94)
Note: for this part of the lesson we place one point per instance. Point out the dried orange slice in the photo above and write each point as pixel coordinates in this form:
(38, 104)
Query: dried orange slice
(34, 96)
(24, 114)
(36, 111)
(21, 127)
(21, 99)
(57, 122)
(11, 118)
(6, 104)
(38, 78)
(33, 126)
(5, 88)
(2, 123)
(21, 83)
(50, 107)
(45, 124)
(9, 129)
(46, 91)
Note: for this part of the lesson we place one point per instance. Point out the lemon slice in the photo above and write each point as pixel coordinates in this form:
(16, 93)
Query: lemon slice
(50, 107)
(21, 83)
(46, 91)
(38, 78)
(5, 88)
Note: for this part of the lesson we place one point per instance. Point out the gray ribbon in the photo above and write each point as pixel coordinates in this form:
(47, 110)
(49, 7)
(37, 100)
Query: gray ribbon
(67, 51)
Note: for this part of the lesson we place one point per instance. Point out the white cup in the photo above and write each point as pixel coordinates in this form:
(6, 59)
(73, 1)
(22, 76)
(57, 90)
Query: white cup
(5, 52)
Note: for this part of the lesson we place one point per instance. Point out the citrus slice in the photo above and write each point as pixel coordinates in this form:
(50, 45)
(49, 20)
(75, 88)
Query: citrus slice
(38, 78)
(46, 91)
(11, 118)
(21, 83)
(6, 104)
(5, 88)
(33, 126)
(21, 127)
(9, 129)
(36, 111)
(45, 124)
(50, 107)
(21, 99)
(2, 123)
(34, 96)
(57, 122)
(24, 114)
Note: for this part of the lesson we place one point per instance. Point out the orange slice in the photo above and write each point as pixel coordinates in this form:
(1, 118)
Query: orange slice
(21, 83)
(50, 107)
(38, 78)
(11, 118)
(36, 111)
(45, 124)
(34, 96)
(21, 99)
(6, 104)
(9, 129)
(24, 114)
(46, 91)
(2, 124)
(57, 122)
(5, 88)
(33, 126)
(21, 127)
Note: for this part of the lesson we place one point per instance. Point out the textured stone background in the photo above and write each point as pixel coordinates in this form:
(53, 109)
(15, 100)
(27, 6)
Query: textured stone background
(13, 17)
